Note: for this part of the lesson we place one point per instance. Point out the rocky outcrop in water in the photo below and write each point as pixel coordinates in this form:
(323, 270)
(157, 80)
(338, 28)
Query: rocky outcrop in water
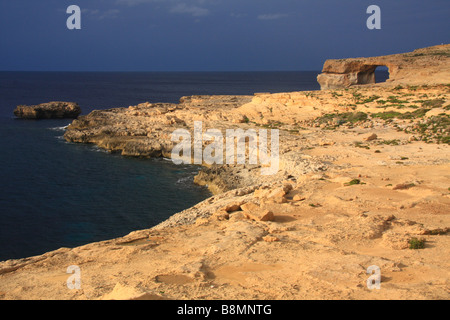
(423, 65)
(49, 110)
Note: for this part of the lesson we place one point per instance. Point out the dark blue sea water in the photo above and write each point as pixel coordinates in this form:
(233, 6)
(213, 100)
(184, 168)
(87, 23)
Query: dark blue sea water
(56, 194)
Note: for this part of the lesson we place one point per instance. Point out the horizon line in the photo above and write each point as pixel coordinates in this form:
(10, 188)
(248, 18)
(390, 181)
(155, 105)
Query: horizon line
(154, 71)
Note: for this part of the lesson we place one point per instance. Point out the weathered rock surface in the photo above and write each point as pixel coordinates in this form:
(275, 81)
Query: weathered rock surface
(427, 65)
(49, 110)
(303, 252)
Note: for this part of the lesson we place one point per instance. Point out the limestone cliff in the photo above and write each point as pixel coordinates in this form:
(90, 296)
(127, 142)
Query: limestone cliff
(364, 180)
(427, 65)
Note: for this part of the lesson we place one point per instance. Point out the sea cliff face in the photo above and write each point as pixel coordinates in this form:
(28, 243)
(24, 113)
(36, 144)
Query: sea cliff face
(362, 181)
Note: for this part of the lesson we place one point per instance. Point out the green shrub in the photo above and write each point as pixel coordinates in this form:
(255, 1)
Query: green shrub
(353, 182)
(415, 243)
(386, 115)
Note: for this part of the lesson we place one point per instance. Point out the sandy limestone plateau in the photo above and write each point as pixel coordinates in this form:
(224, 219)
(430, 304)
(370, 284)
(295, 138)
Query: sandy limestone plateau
(363, 170)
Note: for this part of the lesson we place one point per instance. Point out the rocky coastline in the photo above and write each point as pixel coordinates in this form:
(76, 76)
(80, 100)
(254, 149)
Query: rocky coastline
(363, 181)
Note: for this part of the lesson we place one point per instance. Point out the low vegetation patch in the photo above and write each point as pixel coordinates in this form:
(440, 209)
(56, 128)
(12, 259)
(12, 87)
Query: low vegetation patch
(393, 142)
(359, 144)
(393, 100)
(434, 129)
(337, 119)
(352, 182)
(368, 100)
(415, 243)
(386, 115)
(419, 113)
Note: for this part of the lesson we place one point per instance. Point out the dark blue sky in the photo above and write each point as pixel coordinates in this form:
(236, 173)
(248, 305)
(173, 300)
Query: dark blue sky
(211, 35)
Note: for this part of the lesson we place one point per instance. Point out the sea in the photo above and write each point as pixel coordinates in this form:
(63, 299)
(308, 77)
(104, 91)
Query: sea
(57, 194)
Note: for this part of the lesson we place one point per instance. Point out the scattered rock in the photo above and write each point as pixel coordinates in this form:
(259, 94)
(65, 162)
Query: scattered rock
(325, 142)
(232, 207)
(277, 195)
(298, 197)
(255, 212)
(372, 137)
(270, 238)
(262, 192)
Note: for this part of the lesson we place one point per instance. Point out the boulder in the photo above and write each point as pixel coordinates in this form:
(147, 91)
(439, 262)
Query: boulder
(373, 136)
(255, 212)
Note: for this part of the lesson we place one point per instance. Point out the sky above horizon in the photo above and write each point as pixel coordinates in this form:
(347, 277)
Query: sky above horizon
(211, 35)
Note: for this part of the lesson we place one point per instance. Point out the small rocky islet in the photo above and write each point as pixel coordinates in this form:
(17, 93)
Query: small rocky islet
(363, 181)
(49, 110)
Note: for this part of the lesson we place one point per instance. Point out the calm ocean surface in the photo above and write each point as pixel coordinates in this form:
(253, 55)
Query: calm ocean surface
(55, 194)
